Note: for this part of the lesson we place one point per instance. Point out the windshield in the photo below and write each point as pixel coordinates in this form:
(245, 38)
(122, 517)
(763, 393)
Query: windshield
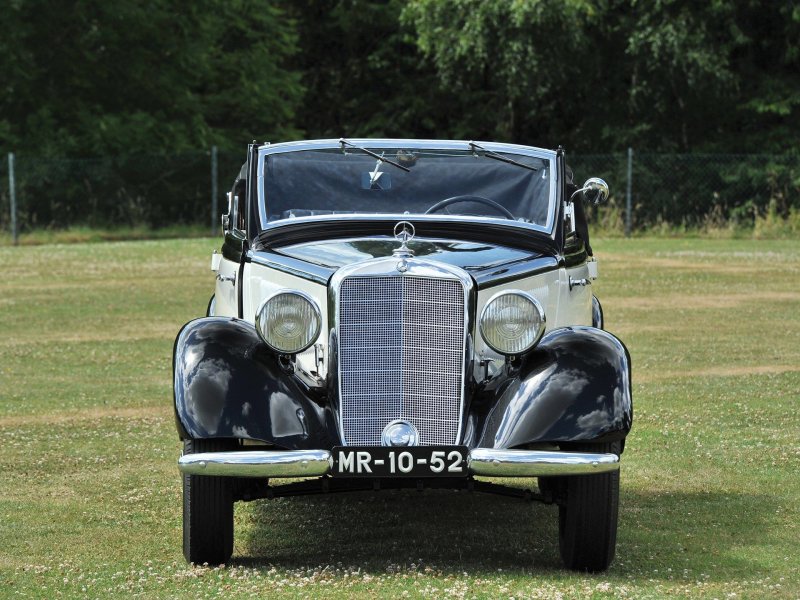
(352, 179)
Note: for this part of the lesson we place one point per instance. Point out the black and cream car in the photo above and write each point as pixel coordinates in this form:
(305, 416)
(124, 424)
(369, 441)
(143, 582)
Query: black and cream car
(403, 313)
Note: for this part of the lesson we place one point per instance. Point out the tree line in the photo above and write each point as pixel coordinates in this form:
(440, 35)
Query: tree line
(87, 79)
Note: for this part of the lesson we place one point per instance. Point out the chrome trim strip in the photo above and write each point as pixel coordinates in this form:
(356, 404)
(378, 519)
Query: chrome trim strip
(411, 143)
(299, 146)
(536, 463)
(258, 463)
(291, 266)
(489, 278)
(312, 463)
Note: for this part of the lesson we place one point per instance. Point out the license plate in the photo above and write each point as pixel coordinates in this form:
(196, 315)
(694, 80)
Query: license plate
(409, 461)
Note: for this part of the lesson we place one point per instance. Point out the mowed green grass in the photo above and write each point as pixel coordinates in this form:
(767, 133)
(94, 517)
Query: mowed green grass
(90, 500)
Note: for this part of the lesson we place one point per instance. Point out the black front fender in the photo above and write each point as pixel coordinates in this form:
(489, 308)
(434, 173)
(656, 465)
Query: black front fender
(574, 387)
(228, 384)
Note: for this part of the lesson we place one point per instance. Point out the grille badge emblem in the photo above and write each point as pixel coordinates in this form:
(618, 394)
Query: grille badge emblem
(404, 232)
(400, 433)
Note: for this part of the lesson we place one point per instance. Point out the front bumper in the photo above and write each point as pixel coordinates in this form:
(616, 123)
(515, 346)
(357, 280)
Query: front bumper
(313, 463)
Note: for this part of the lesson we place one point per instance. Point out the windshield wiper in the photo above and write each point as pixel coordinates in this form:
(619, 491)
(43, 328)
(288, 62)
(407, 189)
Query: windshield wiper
(500, 157)
(343, 142)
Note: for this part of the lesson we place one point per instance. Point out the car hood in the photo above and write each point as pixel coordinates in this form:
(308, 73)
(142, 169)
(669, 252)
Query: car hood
(489, 264)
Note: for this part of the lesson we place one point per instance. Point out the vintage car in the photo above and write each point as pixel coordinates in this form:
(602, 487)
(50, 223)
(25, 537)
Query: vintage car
(396, 313)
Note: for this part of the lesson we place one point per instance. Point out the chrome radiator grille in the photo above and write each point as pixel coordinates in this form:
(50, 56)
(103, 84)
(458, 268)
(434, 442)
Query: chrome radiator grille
(401, 355)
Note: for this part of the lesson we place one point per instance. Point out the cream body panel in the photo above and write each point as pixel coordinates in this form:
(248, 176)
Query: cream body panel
(575, 305)
(562, 307)
(262, 281)
(543, 287)
(226, 298)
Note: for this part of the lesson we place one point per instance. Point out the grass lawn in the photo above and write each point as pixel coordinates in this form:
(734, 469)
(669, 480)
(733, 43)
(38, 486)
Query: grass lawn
(90, 501)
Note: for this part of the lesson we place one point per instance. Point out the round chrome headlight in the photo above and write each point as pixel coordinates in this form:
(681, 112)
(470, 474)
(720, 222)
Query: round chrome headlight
(289, 321)
(512, 322)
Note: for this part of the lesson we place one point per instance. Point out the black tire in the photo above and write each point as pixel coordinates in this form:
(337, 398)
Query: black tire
(207, 510)
(587, 517)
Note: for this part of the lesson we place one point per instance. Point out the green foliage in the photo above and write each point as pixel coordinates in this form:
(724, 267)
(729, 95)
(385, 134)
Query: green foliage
(511, 63)
(93, 78)
(362, 73)
(771, 225)
(132, 80)
(144, 86)
(665, 75)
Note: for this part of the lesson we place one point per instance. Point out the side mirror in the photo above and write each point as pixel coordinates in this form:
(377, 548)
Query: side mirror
(595, 190)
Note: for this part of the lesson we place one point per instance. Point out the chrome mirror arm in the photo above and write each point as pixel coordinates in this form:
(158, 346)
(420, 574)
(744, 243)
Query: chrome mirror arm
(576, 192)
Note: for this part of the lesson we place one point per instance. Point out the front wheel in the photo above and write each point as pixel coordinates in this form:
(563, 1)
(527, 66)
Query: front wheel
(207, 510)
(587, 517)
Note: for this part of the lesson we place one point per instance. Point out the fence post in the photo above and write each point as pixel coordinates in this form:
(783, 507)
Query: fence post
(12, 192)
(214, 220)
(628, 202)
(213, 190)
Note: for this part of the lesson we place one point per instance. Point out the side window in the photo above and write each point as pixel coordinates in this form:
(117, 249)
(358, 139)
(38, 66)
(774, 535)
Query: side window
(235, 219)
(239, 192)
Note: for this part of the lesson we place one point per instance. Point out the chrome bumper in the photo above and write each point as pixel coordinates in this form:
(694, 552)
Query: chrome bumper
(312, 463)
(538, 463)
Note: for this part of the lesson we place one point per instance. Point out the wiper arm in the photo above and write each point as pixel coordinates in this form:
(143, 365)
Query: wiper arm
(343, 142)
(500, 157)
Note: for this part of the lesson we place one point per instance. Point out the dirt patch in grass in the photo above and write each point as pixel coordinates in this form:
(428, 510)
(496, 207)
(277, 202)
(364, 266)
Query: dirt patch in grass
(89, 414)
(721, 300)
(711, 265)
(732, 371)
(152, 330)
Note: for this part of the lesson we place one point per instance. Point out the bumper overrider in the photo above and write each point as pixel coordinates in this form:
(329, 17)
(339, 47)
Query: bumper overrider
(312, 463)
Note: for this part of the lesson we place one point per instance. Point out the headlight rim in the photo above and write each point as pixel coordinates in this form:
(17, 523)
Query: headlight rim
(310, 299)
(537, 305)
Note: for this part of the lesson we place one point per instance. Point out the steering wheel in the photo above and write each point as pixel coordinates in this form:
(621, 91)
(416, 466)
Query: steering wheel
(469, 198)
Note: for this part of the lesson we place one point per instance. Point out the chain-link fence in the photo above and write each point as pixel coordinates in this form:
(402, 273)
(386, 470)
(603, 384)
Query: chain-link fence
(155, 191)
(693, 190)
